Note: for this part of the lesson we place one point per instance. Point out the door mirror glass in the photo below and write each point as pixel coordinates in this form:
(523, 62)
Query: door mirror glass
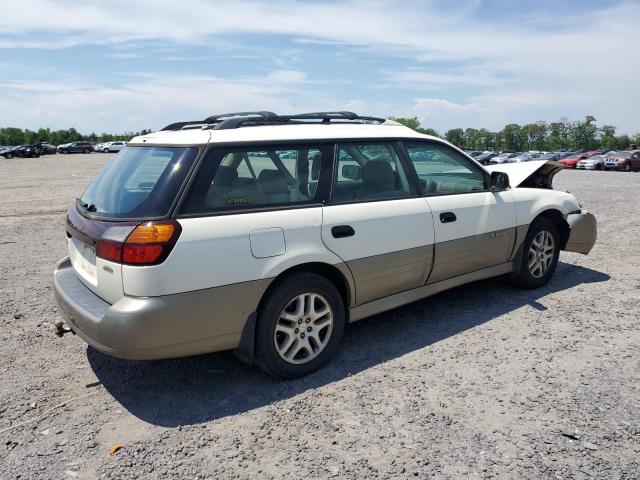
(352, 172)
(499, 181)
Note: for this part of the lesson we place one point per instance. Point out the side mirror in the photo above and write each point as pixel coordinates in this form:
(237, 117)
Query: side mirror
(352, 172)
(499, 181)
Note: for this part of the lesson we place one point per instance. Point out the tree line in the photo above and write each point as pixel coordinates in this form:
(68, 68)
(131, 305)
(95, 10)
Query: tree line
(18, 136)
(561, 135)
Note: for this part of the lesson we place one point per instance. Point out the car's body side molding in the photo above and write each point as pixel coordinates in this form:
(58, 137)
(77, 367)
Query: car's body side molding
(393, 301)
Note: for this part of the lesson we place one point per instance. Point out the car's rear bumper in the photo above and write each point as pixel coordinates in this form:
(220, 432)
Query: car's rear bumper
(156, 327)
(583, 234)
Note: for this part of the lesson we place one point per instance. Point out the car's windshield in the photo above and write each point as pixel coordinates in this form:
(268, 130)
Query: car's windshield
(140, 182)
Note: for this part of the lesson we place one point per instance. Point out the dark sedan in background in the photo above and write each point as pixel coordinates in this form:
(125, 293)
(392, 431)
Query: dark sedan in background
(76, 147)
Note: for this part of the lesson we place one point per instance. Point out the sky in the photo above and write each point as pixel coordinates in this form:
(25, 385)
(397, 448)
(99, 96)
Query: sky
(115, 66)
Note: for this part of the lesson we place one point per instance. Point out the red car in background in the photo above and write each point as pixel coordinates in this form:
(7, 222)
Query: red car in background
(571, 162)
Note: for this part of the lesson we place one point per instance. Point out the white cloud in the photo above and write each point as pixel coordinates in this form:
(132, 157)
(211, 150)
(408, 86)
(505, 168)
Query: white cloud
(533, 67)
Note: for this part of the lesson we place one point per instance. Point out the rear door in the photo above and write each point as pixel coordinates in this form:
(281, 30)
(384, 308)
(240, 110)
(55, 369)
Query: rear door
(376, 221)
(252, 212)
(474, 227)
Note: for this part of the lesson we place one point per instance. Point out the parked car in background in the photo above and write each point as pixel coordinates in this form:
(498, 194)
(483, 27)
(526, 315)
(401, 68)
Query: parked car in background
(25, 151)
(595, 162)
(75, 147)
(485, 157)
(627, 161)
(571, 162)
(112, 147)
(46, 149)
(503, 157)
(524, 157)
(550, 156)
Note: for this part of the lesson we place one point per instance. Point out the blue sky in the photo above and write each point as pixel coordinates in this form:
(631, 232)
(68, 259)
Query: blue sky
(117, 65)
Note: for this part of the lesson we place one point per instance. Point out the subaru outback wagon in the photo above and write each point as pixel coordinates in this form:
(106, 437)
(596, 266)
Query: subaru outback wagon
(266, 234)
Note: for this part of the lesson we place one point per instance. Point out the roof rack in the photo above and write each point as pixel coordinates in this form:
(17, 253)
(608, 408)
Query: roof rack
(227, 121)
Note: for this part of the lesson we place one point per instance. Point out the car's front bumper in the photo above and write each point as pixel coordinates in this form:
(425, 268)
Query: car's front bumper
(583, 233)
(145, 328)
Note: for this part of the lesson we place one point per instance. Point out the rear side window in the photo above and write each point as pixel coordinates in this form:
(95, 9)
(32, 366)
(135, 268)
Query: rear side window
(255, 177)
(140, 182)
(369, 172)
(442, 170)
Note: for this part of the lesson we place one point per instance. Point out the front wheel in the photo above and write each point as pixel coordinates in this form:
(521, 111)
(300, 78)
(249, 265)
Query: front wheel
(8, 155)
(540, 252)
(300, 325)
(65, 151)
(627, 168)
(86, 150)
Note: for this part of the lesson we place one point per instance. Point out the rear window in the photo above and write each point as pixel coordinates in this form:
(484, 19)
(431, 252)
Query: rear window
(140, 182)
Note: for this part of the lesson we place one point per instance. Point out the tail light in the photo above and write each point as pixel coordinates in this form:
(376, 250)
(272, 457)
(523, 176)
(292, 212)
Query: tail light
(148, 244)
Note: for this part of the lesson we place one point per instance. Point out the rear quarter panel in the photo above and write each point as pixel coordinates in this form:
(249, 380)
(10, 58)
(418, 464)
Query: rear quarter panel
(217, 250)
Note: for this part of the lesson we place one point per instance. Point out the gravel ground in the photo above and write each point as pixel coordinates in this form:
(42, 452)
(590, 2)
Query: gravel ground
(482, 381)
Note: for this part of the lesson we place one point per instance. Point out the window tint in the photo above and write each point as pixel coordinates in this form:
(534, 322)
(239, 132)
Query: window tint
(442, 170)
(369, 172)
(257, 177)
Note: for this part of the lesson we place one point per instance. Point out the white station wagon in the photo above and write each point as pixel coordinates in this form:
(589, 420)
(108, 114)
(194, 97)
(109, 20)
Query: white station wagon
(266, 234)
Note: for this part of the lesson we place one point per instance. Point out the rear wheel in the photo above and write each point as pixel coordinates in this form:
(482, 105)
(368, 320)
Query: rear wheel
(65, 151)
(300, 326)
(8, 155)
(598, 167)
(86, 150)
(627, 168)
(540, 253)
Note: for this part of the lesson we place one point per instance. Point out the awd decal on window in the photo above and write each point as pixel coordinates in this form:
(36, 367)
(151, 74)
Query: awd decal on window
(240, 200)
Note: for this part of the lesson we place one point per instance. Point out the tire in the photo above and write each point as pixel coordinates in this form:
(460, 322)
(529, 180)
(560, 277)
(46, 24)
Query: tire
(535, 271)
(627, 168)
(8, 155)
(598, 167)
(290, 351)
(106, 150)
(65, 151)
(86, 150)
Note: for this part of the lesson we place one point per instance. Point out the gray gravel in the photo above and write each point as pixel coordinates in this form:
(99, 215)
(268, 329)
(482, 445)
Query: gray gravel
(483, 381)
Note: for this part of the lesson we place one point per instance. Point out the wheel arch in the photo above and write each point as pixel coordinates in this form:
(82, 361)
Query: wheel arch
(558, 219)
(338, 275)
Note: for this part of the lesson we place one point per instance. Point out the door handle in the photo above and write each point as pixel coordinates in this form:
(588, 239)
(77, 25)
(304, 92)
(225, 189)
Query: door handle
(342, 231)
(448, 217)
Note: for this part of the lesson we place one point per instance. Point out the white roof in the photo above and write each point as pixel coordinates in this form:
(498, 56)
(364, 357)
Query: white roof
(285, 133)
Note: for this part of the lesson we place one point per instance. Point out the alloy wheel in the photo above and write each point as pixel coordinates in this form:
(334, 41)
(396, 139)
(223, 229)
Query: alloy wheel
(303, 328)
(541, 253)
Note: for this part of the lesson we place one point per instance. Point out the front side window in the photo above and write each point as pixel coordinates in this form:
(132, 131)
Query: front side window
(369, 172)
(257, 177)
(140, 182)
(442, 170)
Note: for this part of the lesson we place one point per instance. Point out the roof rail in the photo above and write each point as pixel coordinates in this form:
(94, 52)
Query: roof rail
(227, 121)
(263, 114)
(180, 125)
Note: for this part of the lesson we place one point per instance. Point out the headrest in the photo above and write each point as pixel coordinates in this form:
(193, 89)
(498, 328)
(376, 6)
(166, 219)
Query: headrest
(224, 176)
(378, 172)
(272, 182)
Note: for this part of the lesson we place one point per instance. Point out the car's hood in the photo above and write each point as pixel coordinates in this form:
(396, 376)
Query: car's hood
(519, 172)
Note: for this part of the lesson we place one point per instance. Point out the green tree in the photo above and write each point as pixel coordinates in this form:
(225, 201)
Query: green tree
(513, 137)
(412, 123)
(455, 136)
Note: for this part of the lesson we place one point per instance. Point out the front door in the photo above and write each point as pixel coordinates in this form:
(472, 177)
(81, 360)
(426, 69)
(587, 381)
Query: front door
(474, 227)
(377, 222)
